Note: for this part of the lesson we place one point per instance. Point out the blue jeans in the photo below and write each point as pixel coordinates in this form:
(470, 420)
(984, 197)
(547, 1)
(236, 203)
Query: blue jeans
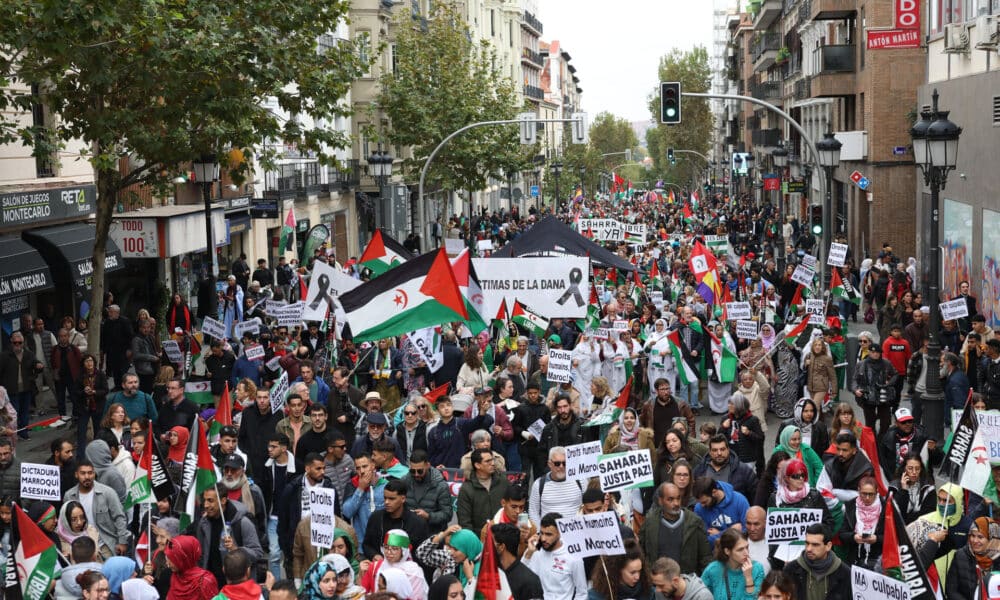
(274, 560)
(512, 455)
(22, 404)
(689, 394)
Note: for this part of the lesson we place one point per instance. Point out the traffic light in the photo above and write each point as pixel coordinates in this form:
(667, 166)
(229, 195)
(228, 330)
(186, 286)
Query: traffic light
(670, 156)
(816, 219)
(670, 102)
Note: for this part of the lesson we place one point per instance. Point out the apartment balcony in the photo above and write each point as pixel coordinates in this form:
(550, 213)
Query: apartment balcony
(765, 137)
(765, 50)
(769, 12)
(531, 57)
(531, 23)
(534, 93)
(292, 180)
(804, 13)
(803, 88)
(766, 90)
(837, 75)
(825, 10)
(753, 123)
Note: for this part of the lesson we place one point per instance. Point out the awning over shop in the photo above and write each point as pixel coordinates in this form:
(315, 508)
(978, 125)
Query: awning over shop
(74, 244)
(22, 270)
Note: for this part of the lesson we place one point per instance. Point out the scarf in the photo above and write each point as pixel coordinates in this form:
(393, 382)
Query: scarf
(868, 516)
(984, 525)
(819, 568)
(787, 496)
(63, 527)
(629, 438)
(467, 542)
(176, 452)
(189, 582)
(239, 490)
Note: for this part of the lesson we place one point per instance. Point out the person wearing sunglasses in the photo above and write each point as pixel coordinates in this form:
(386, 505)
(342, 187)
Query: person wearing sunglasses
(864, 522)
(18, 368)
(411, 434)
(794, 491)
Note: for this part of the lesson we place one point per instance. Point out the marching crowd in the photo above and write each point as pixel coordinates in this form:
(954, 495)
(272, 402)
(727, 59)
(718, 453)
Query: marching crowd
(444, 479)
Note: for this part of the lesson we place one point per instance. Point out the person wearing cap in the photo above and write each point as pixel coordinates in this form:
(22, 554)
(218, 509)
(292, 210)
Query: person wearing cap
(235, 486)
(446, 441)
(501, 430)
(377, 429)
(905, 437)
(529, 411)
(371, 404)
(178, 410)
(875, 387)
(228, 444)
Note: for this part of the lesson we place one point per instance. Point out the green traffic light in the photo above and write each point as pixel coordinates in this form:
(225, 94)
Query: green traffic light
(817, 229)
(671, 112)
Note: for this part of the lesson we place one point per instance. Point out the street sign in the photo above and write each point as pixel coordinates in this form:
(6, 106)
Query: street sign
(534, 191)
(899, 150)
(796, 187)
(856, 176)
(863, 183)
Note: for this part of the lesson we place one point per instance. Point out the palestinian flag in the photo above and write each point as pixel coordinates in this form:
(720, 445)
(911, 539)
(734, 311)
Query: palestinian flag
(960, 446)
(432, 395)
(419, 293)
(869, 447)
(593, 318)
(491, 583)
(688, 215)
(792, 336)
(978, 475)
(383, 253)
(799, 299)
(843, 289)
(199, 392)
(634, 238)
(32, 562)
(142, 549)
(685, 373)
(529, 320)
(724, 360)
(198, 474)
(655, 280)
(223, 416)
(287, 232)
(468, 285)
(900, 559)
(500, 320)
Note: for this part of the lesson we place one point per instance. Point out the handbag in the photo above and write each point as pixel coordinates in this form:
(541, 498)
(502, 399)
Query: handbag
(870, 315)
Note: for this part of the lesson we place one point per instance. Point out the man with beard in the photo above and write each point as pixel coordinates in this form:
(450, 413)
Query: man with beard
(294, 425)
(427, 494)
(847, 467)
(294, 504)
(669, 527)
(62, 457)
(719, 506)
(673, 585)
(235, 486)
(377, 424)
(222, 527)
(666, 408)
(338, 464)
(18, 367)
(343, 402)
(566, 429)
(10, 466)
(560, 572)
(100, 504)
(722, 465)
(818, 572)
(257, 426)
(524, 584)
(136, 402)
(314, 440)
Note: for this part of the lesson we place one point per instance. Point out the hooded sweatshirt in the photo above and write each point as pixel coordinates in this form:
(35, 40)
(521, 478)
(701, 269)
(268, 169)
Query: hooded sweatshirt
(958, 528)
(99, 454)
(695, 589)
(732, 509)
(246, 590)
(66, 587)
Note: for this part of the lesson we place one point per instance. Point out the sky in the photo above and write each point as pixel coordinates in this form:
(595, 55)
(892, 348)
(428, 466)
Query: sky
(616, 45)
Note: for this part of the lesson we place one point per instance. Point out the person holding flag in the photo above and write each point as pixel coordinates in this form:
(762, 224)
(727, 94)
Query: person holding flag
(660, 363)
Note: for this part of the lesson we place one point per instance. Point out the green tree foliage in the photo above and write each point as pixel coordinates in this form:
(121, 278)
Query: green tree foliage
(691, 68)
(443, 81)
(161, 82)
(611, 134)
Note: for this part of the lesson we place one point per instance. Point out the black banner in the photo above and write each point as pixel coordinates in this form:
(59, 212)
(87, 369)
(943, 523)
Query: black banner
(34, 207)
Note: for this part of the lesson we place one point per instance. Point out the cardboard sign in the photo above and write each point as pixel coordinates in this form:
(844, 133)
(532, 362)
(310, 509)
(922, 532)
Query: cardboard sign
(656, 297)
(581, 460)
(40, 482)
(816, 310)
(837, 255)
(560, 365)
(216, 329)
(809, 261)
(278, 392)
(254, 352)
(321, 517)
(536, 428)
(271, 306)
(591, 535)
(989, 426)
(601, 333)
(173, 351)
(484, 245)
(619, 326)
(874, 586)
(789, 524)
(738, 311)
(803, 275)
(251, 326)
(746, 330)
(602, 230)
(290, 315)
(553, 286)
(625, 470)
(454, 246)
(954, 309)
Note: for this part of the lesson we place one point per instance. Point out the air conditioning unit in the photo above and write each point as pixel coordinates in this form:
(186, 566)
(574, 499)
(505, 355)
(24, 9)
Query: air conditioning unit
(956, 38)
(987, 32)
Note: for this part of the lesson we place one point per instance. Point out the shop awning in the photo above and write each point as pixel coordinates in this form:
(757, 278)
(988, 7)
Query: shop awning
(75, 244)
(22, 270)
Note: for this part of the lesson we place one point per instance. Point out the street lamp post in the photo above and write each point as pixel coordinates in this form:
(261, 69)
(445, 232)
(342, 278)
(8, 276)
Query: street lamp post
(935, 150)
(750, 162)
(556, 168)
(829, 158)
(780, 157)
(206, 172)
(583, 173)
(737, 176)
(380, 168)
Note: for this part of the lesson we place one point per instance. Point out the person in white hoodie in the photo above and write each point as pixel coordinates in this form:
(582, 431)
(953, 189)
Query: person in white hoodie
(560, 572)
(121, 459)
(672, 585)
(83, 554)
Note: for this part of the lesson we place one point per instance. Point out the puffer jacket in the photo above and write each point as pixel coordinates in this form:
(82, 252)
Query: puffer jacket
(964, 573)
(432, 495)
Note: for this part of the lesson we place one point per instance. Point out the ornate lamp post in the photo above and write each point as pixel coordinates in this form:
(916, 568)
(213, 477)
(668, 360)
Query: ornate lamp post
(829, 158)
(780, 157)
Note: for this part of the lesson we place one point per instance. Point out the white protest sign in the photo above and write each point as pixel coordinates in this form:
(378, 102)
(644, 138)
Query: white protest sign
(803, 275)
(954, 309)
(274, 363)
(656, 297)
(321, 517)
(483, 245)
(816, 310)
(554, 287)
(989, 425)
(252, 326)
(874, 586)
(604, 230)
(601, 333)
(625, 470)
(746, 330)
(254, 352)
(325, 285)
(453, 246)
(581, 460)
(216, 329)
(290, 315)
(789, 524)
(591, 535)
(809, 261)
(40, 482)
(427, 341)
(738, 311)
(619, 325)
(838, 254)
(560, 365)
(278, 391)
(535, 429)
(173, 350)
(272, 306)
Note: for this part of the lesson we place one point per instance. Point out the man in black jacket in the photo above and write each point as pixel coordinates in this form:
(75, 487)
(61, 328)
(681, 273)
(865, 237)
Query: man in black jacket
(533, 457)
(524, 583)
(565, 430)
(411, 434)
(178, 411)
(263, 275)
(989, 375)
(116, 339)
(257, 425)
(722, 465)
(18, 368)
(448, 373)
(293, 507)
(395, 515)
(818, 572)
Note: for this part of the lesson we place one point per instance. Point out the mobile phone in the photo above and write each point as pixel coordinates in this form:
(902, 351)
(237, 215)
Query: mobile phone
(538, 544)
(523, 520)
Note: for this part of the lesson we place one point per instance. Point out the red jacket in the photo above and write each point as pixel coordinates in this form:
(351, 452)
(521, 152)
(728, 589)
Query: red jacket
(898, 352)
(75, 362)
(179, 316)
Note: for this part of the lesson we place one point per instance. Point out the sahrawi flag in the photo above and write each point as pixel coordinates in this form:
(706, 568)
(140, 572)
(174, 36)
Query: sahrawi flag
(899, 558)
(383, 253)
(419, 293)
(529, 320)
(151, 480)
(843, 289)
(468, 285)
(960, 446)
(978, 474)
(287, 232)
(199, 392)
(684, 371)
(723, 358)
(32, 560)
(198, 474)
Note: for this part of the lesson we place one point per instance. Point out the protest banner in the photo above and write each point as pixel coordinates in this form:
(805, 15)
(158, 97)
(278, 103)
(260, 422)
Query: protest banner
(837, 255)
(325, 285)
(273, 364)
(656, 297)
(456, 477)
(989, 425)
(173, 351)
(809, 261)
(619, 325)
(321, 516)
(270, 306)
(554, 287)
(560, 365)
(278, 392)
(290, 315)
(625, 470)
(870, 585)
(789, 524)
(428, 343)
(602, 230)
(591, 535)
(635, 233)
(40, 482)
(954, 309)
(536, 428)
(738, 311)
(581, 460)
(803, 275)
(216, 329)
(254, 352)
(253, 326)
(816, 310)
(746, 330)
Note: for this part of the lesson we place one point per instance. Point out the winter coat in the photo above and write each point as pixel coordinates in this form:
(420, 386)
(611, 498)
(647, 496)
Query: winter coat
(821, 376)
(731, 510)
(697, 552)
(871, 377)
(109, 517)
(741, 477)
(476, 504)
(431, 495)
(419, 439)
(558, 434)
(645, 439)
(964, 574)
(446, 442)
(242, 529)
(856, 553)
(838, 580)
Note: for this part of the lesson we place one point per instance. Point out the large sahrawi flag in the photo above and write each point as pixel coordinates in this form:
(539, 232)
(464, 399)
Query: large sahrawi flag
(31, 562)
(418, 293)
(960, 447)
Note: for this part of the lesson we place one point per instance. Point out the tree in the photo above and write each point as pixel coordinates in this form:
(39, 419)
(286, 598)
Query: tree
(611, 134)
(691, 68)
(443, 81)
(152, 84)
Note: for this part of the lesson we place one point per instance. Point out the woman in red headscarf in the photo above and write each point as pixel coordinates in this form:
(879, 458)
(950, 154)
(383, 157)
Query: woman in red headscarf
(189, 581)
(177, 441)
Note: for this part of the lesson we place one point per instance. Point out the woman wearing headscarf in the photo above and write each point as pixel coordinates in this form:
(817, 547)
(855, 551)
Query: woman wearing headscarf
(445, 587)
(346, 588)
(189, 581)
(720, 385)
(661, 361)
(73, 524)
(614, 353)
(118, 569)
(177, 440)
(45, 516)
(320, 582)
(396, 553)
(586, 362)
(627, 432)
(808, 419)
(755, 385)
(345, 544)
(794, 491)
(743, 430)
(767, 336)
(863, 527)
(951, 531)
(394, 581)
(973, 564)
(467, 553)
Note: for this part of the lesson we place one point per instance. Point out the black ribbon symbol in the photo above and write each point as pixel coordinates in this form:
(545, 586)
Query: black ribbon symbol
(324, 293)
(575, 277)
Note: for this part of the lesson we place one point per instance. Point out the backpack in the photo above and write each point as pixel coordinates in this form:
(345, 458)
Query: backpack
(541, 485)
